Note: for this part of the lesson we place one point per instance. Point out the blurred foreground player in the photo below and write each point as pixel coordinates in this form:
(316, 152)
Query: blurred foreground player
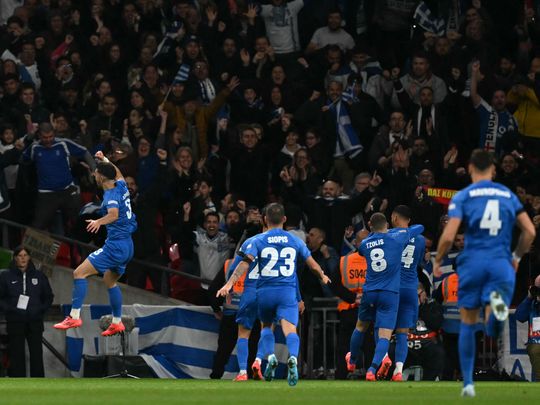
(486, 265)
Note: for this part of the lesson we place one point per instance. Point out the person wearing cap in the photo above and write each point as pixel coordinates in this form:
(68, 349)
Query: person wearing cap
(25, 296)
(529, 311)
(56, 189)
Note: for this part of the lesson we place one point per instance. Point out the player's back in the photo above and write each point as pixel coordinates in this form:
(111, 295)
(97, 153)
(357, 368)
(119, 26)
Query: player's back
(410, 259)
(489, 211)
(383, 255)
(276, 251)
(126, 224)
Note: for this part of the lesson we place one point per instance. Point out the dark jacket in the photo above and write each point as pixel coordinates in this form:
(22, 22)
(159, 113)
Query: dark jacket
(37, 288)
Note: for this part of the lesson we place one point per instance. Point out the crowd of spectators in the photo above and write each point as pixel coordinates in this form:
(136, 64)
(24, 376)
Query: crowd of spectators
(211, 109)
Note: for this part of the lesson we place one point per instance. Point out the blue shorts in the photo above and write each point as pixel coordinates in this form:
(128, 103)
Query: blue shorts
(247, 308)
(408, 308)
(277, 303)
(114, 256)
(379, 306)
(478, 278)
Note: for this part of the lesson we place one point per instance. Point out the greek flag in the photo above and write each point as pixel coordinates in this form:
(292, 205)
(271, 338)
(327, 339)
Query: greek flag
(424, 18)
(348, 143)
(447, 268)
(175, 342)
(348, 94)
(183, 74)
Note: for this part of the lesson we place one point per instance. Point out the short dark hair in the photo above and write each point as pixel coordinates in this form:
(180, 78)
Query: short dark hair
(274, 213)
(377, 222)
(481, 159)
(19, 249)
(403, 211)
(211, 214)
(107, 170)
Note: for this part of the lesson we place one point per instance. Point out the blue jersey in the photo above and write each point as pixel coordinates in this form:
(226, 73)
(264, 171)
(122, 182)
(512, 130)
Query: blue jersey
(276, 252)
(383, 253)
(411, 257)
(253, 272)
(118, 197)
(489, 211)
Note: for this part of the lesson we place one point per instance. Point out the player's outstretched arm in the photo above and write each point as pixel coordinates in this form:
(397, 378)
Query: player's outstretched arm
(316, 269)
(445, 242)
(528, 233)
(100, 156)
(242, 267)
(94, 224)
(415, 230)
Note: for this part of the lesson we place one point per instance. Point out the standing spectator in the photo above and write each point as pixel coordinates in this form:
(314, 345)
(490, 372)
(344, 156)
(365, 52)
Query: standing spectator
(332, 34)
(498, 128)
(56, 189)
(25, 296)
(529, 311)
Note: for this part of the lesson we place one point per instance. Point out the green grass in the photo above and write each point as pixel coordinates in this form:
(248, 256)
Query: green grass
(162, 392)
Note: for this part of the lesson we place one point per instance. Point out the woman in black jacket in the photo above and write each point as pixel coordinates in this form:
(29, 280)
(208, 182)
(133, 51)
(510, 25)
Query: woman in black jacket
(25, 296)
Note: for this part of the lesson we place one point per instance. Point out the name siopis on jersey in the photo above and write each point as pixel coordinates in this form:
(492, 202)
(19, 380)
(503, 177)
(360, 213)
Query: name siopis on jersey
(377, 242)
(482, 192)
(278, 239)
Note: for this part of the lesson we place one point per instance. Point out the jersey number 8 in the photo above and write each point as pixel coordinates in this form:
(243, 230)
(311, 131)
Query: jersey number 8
(288, 254)
(378, 262)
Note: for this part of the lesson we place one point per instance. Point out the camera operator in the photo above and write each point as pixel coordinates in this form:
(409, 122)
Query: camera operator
(529, 310)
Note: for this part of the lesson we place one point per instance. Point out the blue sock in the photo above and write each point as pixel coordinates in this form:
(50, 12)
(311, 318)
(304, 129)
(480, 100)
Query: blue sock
(115, 297)
(80, 285)
(467, 349)
(242, 351)
(380, 351)
(293, 344)
(357, 338)
(267, 341)
(260, 350)
(494, 327)
(401, 347)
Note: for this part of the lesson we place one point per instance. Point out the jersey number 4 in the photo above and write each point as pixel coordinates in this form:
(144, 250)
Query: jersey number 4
(407, 257)
(289, 256)
(490, 218)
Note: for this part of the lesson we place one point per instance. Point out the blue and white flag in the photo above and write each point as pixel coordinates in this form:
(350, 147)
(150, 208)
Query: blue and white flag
(447, 268)
(183, 74)
(424, 18)
(347, 143)
(175, 342)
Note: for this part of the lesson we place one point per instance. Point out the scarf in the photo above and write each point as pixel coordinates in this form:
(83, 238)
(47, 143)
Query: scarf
(208, 91)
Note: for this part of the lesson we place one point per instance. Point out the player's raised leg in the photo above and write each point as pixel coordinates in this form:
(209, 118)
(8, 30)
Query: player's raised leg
(80, 286)
(115, 298)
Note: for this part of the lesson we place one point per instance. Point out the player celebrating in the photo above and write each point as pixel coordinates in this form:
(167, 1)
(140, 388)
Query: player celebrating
(276, 251)
(408, 296)
(112, 258)
(486, 276)
(383, 251)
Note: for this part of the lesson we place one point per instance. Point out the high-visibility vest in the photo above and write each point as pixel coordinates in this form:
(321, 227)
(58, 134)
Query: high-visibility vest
(353, 276)
(451, 322)
(237, 290)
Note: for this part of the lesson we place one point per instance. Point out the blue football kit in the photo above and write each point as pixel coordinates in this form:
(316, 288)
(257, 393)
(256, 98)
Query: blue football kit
(276, 252)
(118, 248)
(383, 252)
(408, 291)
(488, 211)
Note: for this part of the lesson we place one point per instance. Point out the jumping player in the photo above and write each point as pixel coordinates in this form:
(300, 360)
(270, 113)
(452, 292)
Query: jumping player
(486, 265)
(112, 258)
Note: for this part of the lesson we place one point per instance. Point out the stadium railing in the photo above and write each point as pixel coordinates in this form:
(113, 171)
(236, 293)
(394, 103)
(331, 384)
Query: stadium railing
(84, 249)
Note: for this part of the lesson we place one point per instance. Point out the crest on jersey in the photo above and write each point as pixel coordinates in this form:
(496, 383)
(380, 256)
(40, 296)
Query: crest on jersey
(34, 281)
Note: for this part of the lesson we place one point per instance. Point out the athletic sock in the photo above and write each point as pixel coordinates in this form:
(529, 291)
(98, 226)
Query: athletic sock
(80, 286)
(467, 349)
(115, 298)
(399, 368)
(494, 327)
(242, 352)
(293, 344)
(401, 349)
(380, 351)
(260, 352)
(267, 341)
(357, 338)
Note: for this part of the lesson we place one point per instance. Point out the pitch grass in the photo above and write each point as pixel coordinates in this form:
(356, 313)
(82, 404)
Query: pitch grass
(163, 392)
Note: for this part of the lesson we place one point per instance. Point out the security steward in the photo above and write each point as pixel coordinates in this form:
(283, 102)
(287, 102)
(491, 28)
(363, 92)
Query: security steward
(25, 296)
(347, 286)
